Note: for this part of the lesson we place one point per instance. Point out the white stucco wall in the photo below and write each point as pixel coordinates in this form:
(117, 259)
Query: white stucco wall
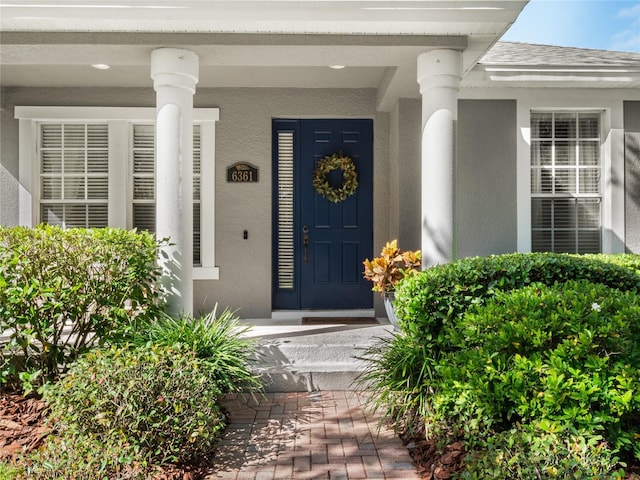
(485, 173)
(486, 194)
(8, 164)
(632, 175)
(405, 192)
(409, 168)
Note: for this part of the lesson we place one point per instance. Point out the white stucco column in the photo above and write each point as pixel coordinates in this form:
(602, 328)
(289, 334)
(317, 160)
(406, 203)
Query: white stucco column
(439, 75)
(175, 74)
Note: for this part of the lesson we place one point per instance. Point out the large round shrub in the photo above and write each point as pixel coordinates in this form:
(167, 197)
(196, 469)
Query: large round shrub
(154, 404)
(521, 347)
(560, 357)
(430, 305)
(438, 295)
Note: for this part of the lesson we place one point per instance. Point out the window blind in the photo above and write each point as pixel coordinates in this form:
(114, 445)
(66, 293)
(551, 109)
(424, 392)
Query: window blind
(285, 212)
(143, 177)
(197, 181)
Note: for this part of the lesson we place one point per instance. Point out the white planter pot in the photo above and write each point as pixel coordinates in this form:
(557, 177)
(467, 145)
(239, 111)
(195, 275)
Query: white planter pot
(388, 299)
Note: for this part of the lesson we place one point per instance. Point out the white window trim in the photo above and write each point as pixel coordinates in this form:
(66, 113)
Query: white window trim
(612, 161)
(118, 119)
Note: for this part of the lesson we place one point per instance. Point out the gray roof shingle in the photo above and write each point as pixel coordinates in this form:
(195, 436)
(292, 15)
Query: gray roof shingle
(516, 53)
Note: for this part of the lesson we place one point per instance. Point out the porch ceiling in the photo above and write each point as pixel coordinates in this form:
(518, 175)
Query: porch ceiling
(244, 43)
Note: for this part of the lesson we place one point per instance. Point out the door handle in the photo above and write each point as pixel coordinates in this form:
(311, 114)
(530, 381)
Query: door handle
(305, 241)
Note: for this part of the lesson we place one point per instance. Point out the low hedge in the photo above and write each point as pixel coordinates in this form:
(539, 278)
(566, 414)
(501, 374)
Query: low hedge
(427, 301)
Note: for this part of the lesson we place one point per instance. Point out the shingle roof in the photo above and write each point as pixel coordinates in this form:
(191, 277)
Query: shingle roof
(515, 53)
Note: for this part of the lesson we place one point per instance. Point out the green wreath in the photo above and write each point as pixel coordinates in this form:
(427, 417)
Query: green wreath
(349, 177)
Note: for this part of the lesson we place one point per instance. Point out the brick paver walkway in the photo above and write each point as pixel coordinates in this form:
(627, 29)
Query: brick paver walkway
(317, 435)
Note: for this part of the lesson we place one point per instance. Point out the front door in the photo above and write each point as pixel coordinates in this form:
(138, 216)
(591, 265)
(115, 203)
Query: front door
(319, 245)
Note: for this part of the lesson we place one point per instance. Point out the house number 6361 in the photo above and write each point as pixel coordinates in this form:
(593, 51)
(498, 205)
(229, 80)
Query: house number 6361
(242, 172)
(245, 176)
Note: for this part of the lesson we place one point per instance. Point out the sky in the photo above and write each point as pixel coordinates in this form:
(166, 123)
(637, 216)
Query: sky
(599, 24)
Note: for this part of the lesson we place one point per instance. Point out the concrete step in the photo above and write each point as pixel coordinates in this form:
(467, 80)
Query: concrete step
(295, 357)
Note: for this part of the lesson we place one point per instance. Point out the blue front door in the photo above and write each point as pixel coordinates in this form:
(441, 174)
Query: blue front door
(319, 245)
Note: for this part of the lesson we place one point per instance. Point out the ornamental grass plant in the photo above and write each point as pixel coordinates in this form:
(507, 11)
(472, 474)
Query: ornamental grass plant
(218, 340)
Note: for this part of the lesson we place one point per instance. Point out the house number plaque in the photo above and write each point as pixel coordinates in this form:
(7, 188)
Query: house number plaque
(242, 173)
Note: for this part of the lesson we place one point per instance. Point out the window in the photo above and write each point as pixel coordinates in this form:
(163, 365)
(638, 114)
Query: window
(95, 167)
(74, 160)
(143, 178)
(566, 189)
(143, 182)
(286, 236)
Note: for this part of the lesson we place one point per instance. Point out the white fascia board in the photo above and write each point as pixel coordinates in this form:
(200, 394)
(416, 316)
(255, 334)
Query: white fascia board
(589, 73)
(285, 16)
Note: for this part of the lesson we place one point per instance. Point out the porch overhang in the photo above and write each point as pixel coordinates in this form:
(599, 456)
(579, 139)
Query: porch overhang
(246, 43)
(376, 17)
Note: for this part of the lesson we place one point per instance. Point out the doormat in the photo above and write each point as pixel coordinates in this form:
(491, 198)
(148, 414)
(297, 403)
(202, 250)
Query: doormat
(339, 320)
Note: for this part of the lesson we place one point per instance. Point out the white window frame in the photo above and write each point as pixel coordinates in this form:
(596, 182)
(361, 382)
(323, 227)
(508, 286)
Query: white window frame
(64, 200)
(119, 120)
(612, 164)
(571, 169)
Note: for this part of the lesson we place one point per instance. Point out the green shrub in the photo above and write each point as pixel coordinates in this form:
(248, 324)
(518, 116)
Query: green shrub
(426, 302)
(525, 454)
(145, 406)
(524, 342)
(219, 341)
(62, 290)
(84, 457)
(9, 472)
(559, 357)
(431, 303)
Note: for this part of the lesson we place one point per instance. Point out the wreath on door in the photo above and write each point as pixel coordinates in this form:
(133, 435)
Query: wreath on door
(349, 185)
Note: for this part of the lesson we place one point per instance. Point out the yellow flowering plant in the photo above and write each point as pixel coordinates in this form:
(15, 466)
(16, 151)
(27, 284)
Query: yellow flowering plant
(391, 266)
